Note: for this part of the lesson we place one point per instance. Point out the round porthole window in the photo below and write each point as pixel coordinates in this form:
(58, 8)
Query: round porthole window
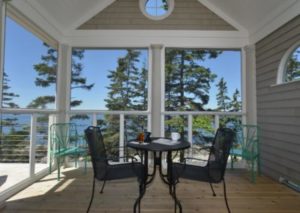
(156, 9)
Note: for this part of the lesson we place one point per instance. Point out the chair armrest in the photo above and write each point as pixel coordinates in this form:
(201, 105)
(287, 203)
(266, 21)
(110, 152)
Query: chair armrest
(198, 159)
(111, 158)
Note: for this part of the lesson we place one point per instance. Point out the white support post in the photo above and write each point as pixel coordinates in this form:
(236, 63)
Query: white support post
(162, 92)
(149, 123)
(249, 85)
(32, 145)
(51, 120)
(63, 83)
(2, 43)
(217, 122)
(156, 99)
(190, 132)
(94, 119)
(121, 138)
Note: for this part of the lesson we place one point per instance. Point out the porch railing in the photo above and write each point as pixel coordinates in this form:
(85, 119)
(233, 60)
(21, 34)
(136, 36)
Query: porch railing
(37, 151)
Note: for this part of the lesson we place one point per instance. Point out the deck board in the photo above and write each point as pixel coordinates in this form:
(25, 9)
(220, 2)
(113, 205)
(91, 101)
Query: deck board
(72, 194)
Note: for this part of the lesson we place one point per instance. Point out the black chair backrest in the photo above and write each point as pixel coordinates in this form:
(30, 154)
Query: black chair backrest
(97, 150)
(219, 153)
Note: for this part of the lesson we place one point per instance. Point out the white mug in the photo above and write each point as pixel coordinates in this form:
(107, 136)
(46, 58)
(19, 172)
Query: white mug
(175, 136)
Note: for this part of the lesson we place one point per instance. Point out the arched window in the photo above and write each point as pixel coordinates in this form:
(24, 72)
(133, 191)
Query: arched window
(156, 9)
(289, 68)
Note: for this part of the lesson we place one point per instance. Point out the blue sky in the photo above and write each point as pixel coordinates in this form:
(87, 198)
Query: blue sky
(23, 50)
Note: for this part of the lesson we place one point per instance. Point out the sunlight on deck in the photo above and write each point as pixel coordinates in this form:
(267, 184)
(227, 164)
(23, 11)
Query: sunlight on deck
(72, 194)
(16, 172)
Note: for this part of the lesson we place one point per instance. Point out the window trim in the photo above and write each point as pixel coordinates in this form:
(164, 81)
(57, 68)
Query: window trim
(171, 5)
(283, 63)
(29, 26)
(149, 91)
(25, 22)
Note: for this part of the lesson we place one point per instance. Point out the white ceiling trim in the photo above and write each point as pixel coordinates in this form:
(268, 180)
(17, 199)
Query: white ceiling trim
(223, 15)
(144, 38)
(45, 14)
(276, 19)
(40, 20)
(95, 10)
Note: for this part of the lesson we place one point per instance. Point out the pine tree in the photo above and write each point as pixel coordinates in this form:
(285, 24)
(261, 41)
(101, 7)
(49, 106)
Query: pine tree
(293, 66)
(47, 76)
(77, 81)
(141, 87)
(127, 91)
(222, 98)
(187, 83)
(235, 104)
(7, 102)
(7, 96)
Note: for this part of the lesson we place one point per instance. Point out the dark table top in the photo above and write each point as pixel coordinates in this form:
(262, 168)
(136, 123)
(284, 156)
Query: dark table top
(164, 146)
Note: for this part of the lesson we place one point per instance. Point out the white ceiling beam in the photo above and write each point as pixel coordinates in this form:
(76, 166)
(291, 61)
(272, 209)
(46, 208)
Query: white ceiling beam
(35, 4)
(87, 16)
(38, 18)
(223, 15)
(274, 20)
(170, 38)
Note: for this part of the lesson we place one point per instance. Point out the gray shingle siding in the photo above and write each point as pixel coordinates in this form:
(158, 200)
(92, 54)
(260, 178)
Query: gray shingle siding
(187, 15)
(278, 107)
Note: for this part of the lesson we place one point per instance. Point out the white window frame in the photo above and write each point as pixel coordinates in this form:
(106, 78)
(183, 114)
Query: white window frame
(190, 114)
(122, 114)
(283, 63)
(143, 3)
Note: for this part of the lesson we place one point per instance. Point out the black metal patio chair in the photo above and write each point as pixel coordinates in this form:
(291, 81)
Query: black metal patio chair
(214, 169)
(102, 168)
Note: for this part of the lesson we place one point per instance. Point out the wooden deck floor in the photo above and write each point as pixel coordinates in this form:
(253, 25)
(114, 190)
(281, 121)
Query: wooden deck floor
(72, 194)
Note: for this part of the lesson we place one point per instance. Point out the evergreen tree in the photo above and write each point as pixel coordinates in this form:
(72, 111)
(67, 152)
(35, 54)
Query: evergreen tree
(127, 87)
(293, 66)
(141, 87)
(7, 96)
(7, 102)
(77, 81)
(222, 98)
(47, 75)
(187, 84)
(235, 104)
(127, 91)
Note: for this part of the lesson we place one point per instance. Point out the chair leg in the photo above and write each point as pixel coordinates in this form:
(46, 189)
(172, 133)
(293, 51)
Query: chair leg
(258, 165)
(174, 191)
(138, 200)
(176, 201)
(50, 164)
(101, 191)
(225, 196)
(92, 196)
(231, 156)
(58, 168)
(76, 161)
(253, 171)
(212, 189)
(85, 164)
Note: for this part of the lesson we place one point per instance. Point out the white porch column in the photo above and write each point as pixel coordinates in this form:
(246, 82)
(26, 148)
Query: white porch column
(249, 88)
(63, 82)
(156, 99)
(2, 29)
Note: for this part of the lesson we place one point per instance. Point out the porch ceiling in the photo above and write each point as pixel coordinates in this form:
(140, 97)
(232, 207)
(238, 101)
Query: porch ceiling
(248, 15)
(251, 13)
